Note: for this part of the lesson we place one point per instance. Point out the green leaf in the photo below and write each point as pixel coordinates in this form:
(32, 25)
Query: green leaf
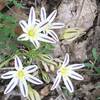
(89, 65)
(8, 40)
(45, 77)
(98, 98)
(97, 70)
(94, 53)
(16, 3)
(98, 60)
(46, 48)
(33, 94)
(2, 58)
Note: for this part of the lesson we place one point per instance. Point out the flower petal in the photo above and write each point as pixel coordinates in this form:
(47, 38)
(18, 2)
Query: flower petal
(31, 68)
(53, 35)
(45, 38)
(33, 80)
(43, 24)
(76, 66)
(23, 37)
(68, 84)
(18, 63)
(75, 75)
(23, 88)
(52, 16)
(66, 60)
(31, 20)
(35, 43)
(8, 75)
(11, 85)
(43, 14)
(57, 25)
(23, 25)
(56, 82)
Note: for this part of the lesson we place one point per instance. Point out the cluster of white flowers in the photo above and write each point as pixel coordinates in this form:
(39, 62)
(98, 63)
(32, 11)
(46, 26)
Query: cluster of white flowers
(40, 30)
(35, 31)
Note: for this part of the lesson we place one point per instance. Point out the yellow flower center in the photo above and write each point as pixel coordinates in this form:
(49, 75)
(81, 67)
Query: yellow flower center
(33, 32)
(65, 71)
(21, 74)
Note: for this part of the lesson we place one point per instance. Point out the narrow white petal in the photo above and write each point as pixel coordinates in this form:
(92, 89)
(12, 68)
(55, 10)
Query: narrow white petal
(52, 16)
(23, 25)
(66, 60)
(68, 84)
(56, 82)
(43, 24)
(57, 25)
(45, 38)
(11, 85)
(31, 68)
(77, 66)
(18, 63)
(43, 14)
(23, 88)
(33, 80)
(53, 35)
(23, 37)
(8, 75)
(75, 75)
(35, 43)
(31, 20)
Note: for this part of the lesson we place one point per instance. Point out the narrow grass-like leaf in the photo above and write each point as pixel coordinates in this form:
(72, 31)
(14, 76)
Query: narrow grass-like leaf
(45, 77)
(94, 53)
(89, 65)
(33, 94)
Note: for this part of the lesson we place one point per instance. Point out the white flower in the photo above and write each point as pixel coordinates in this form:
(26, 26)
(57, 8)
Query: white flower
(20, 76)
(65, 72)
(32, 31)
(48, 28)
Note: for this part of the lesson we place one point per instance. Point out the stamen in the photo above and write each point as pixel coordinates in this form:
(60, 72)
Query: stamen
(21, 74)
(33, 32)
(65, 71)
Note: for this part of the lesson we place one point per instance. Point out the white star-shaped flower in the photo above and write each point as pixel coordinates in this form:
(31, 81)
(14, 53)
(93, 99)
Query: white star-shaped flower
(20, 76)
(48, 28)
(33, 31)
(65, 72)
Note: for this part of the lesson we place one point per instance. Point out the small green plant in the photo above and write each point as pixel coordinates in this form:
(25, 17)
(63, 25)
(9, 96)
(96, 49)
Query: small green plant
(8, 42)
(16, 3)
(94, 64)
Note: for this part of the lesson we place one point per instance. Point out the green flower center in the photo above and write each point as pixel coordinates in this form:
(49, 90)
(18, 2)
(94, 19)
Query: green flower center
(33, 32)
(65, 71)
(21, 74)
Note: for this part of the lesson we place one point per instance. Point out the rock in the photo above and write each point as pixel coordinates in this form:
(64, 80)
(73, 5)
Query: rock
(57, 51)
(45, 91)
(77, 13)
(80, 51)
